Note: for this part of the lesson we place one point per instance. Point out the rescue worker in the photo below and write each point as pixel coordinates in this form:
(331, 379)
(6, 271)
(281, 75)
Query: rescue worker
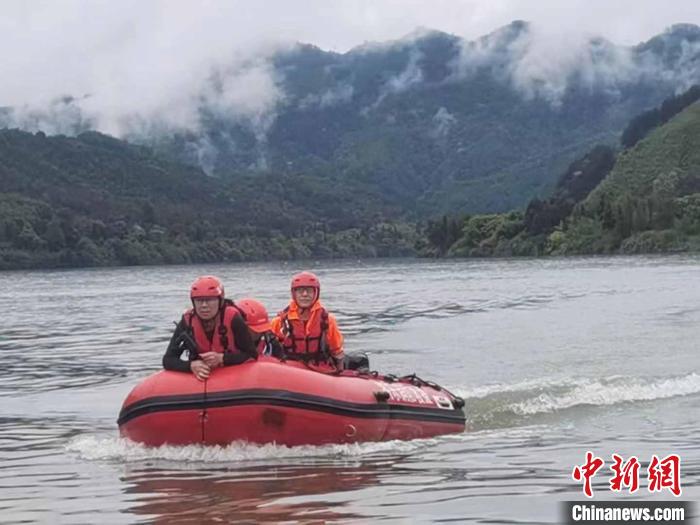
(259, 326)
(213, 332)
(307, 331)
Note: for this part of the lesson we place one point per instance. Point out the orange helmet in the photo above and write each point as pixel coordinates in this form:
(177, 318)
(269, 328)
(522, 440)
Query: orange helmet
(255, 315)
(207, 286)
(305, 279)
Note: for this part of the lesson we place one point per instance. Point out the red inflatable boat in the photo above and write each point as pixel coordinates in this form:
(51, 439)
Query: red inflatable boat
(269, 401)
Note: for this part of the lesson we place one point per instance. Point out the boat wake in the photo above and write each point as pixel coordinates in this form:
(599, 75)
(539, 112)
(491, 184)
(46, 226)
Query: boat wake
(121, 450)
(498, 406)
(493, 407)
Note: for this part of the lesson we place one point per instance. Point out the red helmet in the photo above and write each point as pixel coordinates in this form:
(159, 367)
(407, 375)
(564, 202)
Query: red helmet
(207, 286)
(304, 279)
(255, 315)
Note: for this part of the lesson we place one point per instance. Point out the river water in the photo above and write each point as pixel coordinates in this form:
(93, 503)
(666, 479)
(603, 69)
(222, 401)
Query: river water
(555, 357)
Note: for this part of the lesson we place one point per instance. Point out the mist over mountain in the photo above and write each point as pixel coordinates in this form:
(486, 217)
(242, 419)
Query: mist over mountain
(427, 124)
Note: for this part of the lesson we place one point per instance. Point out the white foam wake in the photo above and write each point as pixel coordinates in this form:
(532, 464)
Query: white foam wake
(609, 391)
(95, 448)
(522, 386)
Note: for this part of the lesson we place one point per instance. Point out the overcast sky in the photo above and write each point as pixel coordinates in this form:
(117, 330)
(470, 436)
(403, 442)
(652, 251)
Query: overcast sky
(341, 24)
(149, 56)
(330, 24)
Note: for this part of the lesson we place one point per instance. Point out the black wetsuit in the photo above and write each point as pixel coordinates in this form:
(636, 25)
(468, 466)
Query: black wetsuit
(179, 344)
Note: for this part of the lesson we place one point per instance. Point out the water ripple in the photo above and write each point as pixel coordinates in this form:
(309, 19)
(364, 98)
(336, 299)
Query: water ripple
(555, 357)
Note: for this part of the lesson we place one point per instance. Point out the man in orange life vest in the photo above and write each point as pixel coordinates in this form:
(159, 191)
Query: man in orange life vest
(307, 331)
(213, 332)
(259, 327)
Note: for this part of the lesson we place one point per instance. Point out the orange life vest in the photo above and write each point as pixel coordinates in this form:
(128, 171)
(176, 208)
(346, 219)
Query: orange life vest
(225, 340)
(305, 340)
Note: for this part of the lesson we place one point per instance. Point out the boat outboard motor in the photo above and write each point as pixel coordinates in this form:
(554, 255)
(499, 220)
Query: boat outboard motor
(357, 361)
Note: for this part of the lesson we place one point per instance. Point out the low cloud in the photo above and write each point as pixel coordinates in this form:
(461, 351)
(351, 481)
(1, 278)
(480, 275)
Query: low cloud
(133, 68)
(334, 96)
(249, 92)
(543, 64)
(679, 66)
(443, 121)
(409, 77)
(61, 116)
(203, 153)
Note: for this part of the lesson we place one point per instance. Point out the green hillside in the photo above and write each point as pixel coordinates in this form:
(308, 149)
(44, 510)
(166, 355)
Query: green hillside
(362, 146)
(644, 199)
(94, 200)
(649, 202)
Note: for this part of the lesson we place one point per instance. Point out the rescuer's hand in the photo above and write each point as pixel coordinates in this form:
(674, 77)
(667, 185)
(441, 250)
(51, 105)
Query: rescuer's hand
(213, 359)
(200, 370)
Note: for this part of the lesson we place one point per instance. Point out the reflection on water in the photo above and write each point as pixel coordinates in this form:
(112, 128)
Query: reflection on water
(554, 357)
(250, 494)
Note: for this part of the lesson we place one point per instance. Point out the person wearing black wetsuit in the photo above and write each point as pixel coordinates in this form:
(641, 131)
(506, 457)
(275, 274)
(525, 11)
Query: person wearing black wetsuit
(213, 333)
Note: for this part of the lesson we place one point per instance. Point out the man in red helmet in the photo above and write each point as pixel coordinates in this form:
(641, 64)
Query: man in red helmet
(213, 332)
(258, 322)
(307, 331)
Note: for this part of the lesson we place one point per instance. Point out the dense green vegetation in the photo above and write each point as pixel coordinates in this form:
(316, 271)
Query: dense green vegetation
(645, 200)
(650, 202)
(642, 124)
(94, 200)
(518, 233)
(363, 147)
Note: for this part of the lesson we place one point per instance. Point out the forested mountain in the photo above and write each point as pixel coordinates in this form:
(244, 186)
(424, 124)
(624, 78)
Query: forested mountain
(353, 149)
(95, 200)
(435, 124)
(645, 199)
(650, 202)
(422, 126)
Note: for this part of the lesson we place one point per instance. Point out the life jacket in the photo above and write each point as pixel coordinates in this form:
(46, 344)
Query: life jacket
(225, 340)
(308, 342)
